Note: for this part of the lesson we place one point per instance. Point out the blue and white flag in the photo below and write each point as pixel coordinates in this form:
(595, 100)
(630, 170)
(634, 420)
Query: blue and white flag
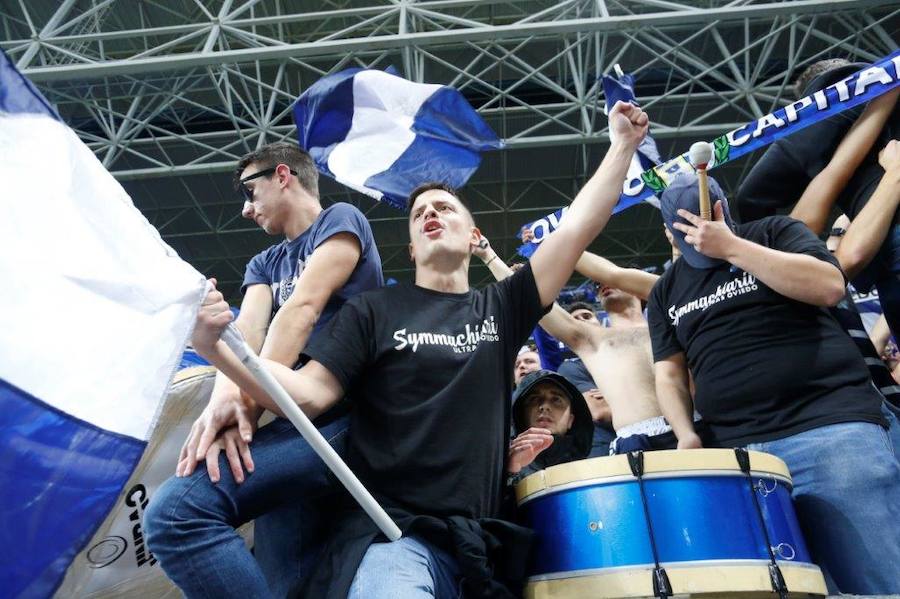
(615, 89)
(95, 313)
(621, 88)
(384, 136)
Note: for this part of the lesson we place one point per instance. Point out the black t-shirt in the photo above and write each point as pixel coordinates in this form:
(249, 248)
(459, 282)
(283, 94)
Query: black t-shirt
(778, 178)
(429, 374)
(765, 366)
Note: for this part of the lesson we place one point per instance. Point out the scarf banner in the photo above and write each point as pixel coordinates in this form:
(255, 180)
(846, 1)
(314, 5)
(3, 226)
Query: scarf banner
(863, 86)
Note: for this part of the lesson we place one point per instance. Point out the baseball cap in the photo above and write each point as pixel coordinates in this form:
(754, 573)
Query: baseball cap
(684, 192)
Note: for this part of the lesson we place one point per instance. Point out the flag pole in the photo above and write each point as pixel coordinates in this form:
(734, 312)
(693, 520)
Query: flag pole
(233, 338)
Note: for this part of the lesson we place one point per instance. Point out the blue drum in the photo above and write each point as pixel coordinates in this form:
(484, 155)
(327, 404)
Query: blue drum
(593, 537)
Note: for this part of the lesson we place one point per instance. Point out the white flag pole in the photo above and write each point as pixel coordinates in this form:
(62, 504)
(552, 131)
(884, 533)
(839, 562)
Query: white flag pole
(235, 341)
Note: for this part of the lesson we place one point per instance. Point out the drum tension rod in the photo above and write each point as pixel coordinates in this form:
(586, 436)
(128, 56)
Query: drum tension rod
(775, 576)
(662, 588)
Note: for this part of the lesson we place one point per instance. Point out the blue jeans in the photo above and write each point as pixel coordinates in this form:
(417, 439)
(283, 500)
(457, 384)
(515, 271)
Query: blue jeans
(406, 569)
(600, 442)
(190, 522)
(847, 497)
(892, 415)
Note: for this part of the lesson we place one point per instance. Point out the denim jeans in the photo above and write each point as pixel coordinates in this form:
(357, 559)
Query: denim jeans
(406, 569)
(847, 497)
(190, 522)
(892, 415)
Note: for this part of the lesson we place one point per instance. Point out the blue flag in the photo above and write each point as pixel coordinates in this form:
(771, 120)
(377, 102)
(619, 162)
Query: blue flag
(97, 313)
(384, 136)
(616, 89)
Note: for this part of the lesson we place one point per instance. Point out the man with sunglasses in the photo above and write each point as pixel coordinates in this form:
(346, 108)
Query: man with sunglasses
(291, 290)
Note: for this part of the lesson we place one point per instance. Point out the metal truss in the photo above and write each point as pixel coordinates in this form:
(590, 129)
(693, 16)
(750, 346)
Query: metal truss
(170, 93)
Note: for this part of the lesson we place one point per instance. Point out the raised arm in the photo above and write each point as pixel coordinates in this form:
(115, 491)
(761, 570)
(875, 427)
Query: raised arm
(800, 277)
(814, 206)
(868, 230)
(557, 322)
(630, 280)
(554, 260)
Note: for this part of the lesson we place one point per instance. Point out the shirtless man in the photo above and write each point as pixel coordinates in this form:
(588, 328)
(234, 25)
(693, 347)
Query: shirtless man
(618, 358)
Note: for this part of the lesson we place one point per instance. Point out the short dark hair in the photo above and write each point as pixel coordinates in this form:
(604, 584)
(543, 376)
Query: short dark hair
(281, 152)
(431, 185)
(814, 70)
(579, 306)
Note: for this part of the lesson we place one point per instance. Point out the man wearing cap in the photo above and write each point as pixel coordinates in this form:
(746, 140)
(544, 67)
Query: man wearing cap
(552, 422)
(774, 372)
(291, 290)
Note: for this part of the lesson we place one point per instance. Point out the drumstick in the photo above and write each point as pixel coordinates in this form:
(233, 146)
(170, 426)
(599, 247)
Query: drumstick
(701, 154)
(235, 341)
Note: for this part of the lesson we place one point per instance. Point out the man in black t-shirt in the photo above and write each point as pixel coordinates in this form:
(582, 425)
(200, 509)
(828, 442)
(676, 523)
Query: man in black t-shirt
(773, 371)
(428, 367)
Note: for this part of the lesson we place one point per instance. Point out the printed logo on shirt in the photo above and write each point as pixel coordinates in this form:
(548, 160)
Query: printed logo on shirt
(461, 343)
(725, 291)
(282, 290)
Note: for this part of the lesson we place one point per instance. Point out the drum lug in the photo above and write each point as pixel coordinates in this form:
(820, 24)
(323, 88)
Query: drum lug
(662, 588)
(777, 578)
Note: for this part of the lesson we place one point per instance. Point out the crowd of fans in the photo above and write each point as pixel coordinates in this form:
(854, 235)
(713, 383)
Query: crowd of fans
(429, 391)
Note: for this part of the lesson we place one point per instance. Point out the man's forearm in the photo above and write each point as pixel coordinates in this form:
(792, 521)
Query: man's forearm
(554, 260)
(592, 207)
(290, 330)
(675, 404)
(498, 267)
(797, 276)
(868, 230)
(630, 280)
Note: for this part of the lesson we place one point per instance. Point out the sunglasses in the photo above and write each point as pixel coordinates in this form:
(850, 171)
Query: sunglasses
(246, 193)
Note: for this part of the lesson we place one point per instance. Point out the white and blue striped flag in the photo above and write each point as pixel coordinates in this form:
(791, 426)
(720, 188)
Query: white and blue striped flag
(383, 136)
(95, 312)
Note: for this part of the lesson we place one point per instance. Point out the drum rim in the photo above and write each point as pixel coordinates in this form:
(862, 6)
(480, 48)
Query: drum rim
(687, 577)
(711, 563)
(657, 464)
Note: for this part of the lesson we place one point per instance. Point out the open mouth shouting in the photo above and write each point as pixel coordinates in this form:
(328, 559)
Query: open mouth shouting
(432, 228)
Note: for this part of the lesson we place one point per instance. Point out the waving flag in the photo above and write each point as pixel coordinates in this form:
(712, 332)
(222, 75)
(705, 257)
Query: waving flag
(95, 313)
(619, 88)
(383, 136)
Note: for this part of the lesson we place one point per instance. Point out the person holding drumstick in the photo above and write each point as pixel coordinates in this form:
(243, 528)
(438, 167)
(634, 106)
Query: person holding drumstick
(774, 372)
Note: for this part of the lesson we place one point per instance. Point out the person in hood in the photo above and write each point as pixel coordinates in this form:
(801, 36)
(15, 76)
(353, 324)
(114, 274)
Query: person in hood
(552, 422)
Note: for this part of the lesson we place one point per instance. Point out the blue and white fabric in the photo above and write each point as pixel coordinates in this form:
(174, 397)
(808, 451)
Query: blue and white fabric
(383, 136)
(94, 319)
(615, 89)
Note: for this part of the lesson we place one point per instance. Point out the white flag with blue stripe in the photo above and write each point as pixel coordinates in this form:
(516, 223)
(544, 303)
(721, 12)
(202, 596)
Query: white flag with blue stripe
(383, 136)
(95, 312)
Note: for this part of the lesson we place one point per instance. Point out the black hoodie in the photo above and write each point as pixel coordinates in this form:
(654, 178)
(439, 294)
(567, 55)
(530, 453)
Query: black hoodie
(575, 444)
